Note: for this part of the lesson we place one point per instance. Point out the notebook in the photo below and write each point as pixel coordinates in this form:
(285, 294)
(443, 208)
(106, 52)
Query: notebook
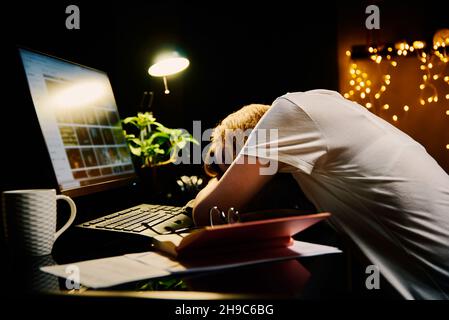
(236, 238)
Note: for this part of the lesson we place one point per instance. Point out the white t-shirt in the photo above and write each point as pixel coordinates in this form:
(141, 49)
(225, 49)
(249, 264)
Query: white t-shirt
(382, 187)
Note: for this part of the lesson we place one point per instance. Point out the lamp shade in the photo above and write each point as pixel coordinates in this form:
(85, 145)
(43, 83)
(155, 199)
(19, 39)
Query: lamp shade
(167, 66)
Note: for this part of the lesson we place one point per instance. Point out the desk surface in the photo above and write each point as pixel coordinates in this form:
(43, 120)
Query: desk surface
(309, 278)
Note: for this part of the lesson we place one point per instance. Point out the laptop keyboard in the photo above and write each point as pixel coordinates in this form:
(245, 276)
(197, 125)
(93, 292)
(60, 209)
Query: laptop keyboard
(136, 219)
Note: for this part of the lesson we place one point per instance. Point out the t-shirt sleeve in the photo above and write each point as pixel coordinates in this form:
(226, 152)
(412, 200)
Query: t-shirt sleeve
(287, 134)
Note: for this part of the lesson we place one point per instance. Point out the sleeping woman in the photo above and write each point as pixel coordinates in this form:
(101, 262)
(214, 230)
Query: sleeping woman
(383, 189)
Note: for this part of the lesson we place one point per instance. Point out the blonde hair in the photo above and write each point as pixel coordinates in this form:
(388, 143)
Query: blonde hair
(239, 121)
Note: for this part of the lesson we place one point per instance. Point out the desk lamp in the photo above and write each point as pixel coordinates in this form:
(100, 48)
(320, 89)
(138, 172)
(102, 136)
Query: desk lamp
(166, 65)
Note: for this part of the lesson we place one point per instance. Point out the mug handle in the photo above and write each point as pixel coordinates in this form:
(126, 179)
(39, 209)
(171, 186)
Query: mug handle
(72, 214)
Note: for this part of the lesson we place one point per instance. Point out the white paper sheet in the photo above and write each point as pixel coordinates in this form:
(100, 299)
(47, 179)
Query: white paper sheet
(106, 272)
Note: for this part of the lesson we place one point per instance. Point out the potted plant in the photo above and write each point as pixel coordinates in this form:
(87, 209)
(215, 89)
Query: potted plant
(152, 144)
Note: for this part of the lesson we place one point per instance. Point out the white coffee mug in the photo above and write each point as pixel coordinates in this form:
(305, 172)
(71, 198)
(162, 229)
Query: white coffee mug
(29, 219)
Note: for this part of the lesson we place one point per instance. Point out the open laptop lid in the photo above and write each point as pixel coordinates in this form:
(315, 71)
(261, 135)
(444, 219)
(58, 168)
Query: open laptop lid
(80, 123)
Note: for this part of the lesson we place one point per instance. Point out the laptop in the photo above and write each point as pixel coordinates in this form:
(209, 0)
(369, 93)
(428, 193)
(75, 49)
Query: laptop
(80, 123)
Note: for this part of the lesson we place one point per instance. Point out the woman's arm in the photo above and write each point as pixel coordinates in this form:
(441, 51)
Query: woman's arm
(239, 184)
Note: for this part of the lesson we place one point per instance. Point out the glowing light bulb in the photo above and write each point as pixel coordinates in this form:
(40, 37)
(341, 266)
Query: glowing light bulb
(383, 88)
(371, 49)
(394, 63)
(447, 112)
(418, 44)
(429, 99)
(346, 95)
(446, 78)
(422, 102)
(435, 77)
(395, 118)
(386, 106)
(357, 88)
(351, 92)
(377, 96)
(430, 65)
(362, 84)
(348, 53)
(435, 99)
(406, 108)
(422, 86)
(447, 146)
(369, 105)
(368, 90)
(447, 96)
(379, 59)
(352, 82)
(422, 67)
(363, 95)
(390, 49)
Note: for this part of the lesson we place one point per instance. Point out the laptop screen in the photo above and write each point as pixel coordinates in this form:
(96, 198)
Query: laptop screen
(78, 116)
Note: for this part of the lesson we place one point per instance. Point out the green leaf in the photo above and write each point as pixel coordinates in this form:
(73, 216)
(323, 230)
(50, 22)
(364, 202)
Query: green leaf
(155, 144)
(136, 141)
(137, 151)
(181, 144)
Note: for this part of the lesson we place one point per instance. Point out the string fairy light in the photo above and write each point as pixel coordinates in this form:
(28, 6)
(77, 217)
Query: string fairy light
(432, 59)
(361, 86)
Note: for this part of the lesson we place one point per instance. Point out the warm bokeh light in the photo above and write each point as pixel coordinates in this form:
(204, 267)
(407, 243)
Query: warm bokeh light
(419, 44)
(374, 92)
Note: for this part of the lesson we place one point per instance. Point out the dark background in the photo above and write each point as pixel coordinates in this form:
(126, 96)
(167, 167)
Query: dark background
(239, 54)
